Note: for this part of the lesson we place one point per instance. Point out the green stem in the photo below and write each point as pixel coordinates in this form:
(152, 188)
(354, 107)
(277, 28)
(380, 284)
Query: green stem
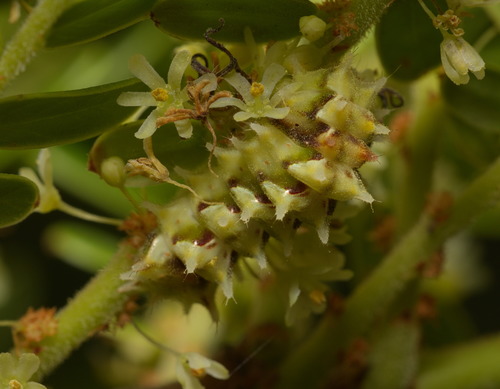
(366, 13)
(415, 165)
(471, 365)
(30, 38)
(373, 298)
(94, 306)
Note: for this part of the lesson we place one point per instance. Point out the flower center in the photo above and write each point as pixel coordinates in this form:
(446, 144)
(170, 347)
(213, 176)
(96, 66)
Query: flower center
(256, 89)
(15, 384)
(317, 296)
(160, 94)
(198, 373)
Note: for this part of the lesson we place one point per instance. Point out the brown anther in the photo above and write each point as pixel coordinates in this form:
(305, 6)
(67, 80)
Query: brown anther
(139, 227)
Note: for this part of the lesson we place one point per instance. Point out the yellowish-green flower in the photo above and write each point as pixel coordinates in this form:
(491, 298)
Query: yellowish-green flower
(163, 96)
(192, 366)
(15, 372)
(458, 58)
(258, 98)
(50, 199)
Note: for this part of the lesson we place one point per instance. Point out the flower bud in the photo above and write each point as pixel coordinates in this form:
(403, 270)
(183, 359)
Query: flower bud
(113, 171)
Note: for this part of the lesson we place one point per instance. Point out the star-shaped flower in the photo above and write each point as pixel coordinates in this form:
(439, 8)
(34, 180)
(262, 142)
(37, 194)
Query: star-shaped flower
(15, 372)
(258, 98)
(163, 96)
(191, 366)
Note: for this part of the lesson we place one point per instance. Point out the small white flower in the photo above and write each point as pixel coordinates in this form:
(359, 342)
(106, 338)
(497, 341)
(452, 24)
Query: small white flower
(258, 101)
(15, 372)
(458, 58)
(191, 366)
(163, 96)
(50, 199)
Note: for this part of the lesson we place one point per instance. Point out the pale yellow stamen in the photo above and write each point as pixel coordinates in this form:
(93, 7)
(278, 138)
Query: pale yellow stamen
(15, 384)
(317, 296)
(160, 94)
(198, 373)
(256, 89)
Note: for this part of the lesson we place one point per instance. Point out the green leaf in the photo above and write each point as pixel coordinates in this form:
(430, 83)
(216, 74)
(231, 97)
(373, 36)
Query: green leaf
(48, 119)
(169, 147)
(268, 20)
(476, 103)
(18, 198)
(407, 42)
(94, 19)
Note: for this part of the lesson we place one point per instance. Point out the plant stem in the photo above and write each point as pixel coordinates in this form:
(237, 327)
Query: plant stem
(415, 165)
(93, 307)
(373, 298)
(474, 364)
(30, 38)
(366, 13)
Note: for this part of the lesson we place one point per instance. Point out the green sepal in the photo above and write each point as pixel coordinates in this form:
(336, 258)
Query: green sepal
(54, 118)
(168, 146)
(268, 20)
(94, 19)
(18, 197)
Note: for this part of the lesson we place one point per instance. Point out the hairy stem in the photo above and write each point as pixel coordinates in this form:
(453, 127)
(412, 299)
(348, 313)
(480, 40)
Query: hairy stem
(94, 306)
(372, 300)
(366, 13)
(30, 38)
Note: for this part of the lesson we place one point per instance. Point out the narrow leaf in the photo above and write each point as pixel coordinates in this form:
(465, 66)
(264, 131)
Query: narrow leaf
(48, 119)
(94, 19)
(18, 198)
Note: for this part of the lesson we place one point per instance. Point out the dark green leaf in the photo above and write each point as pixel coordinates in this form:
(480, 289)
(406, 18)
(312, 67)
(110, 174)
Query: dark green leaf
(48, 119)
(94, 19)
(268, 20)
(169, 147)
(18, 198)
(407, 42)
(477, 103)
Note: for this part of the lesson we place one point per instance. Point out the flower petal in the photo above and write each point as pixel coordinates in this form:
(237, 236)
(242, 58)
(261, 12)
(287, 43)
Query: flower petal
(34, 385)
(277, 113)
(450, 71)
(185, 376)
(227, 101)
(184, 128)
(148, 127)
(243, 115)
(241, 85)
(177, 68)
(27, 366)
(271, 76)
(142, 69)
(136, 99)
(44, 164)
(7, 365)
